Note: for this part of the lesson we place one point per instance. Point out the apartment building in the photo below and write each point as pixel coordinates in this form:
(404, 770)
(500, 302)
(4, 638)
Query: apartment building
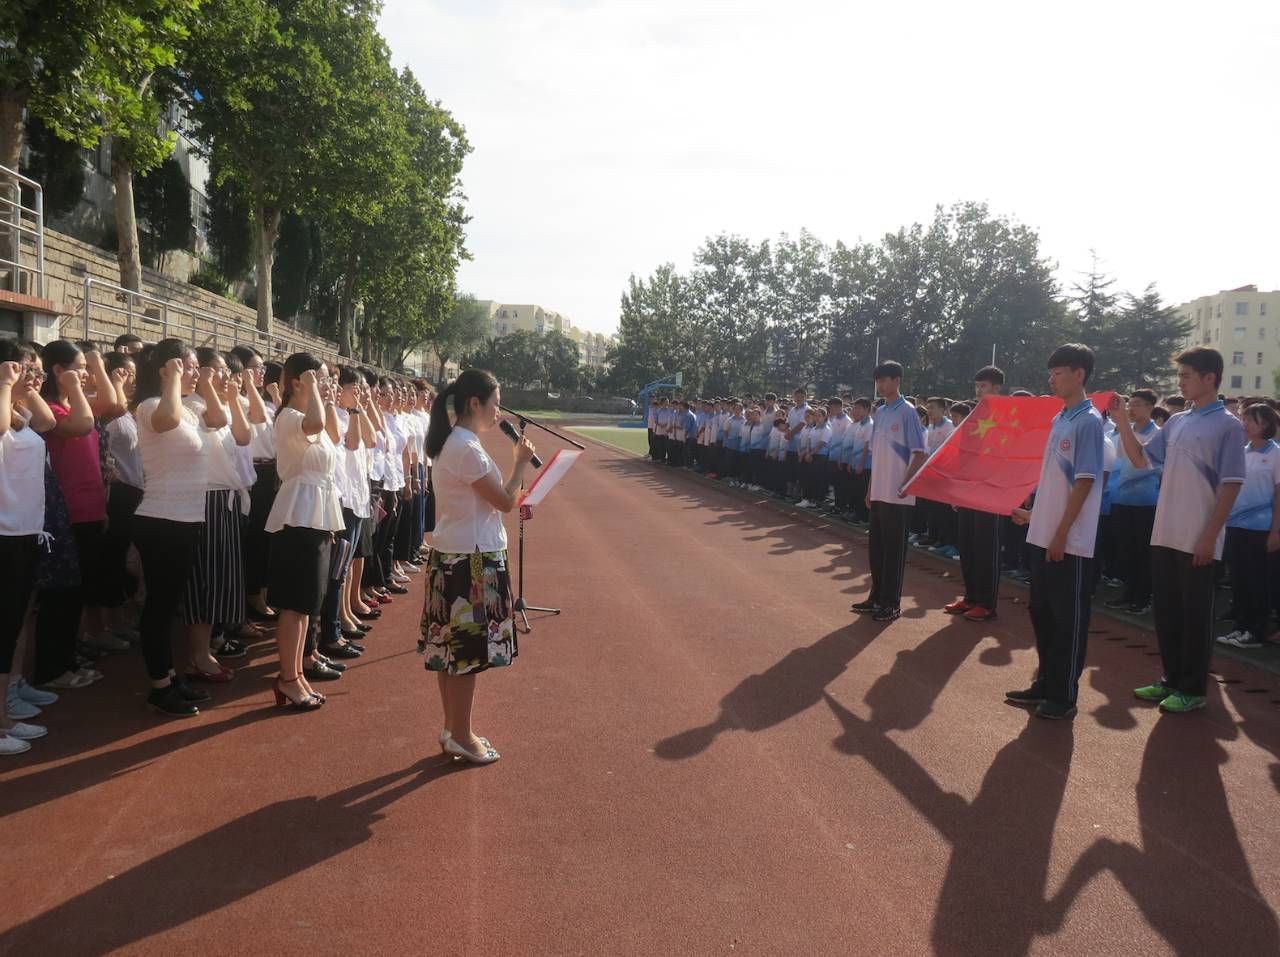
(1244, 325)
(506, 318)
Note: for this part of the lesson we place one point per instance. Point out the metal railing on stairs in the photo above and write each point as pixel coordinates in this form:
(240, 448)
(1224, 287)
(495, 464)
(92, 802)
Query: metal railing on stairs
(21, 235)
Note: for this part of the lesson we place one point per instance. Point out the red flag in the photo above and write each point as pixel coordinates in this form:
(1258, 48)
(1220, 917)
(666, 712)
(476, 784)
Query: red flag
(991, 462)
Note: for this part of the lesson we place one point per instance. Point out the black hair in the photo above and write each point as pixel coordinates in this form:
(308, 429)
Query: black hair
(1072, 355)
(271, 372)
(15, 350)
(922, 413)
(149, 383)
(1146, 395)
(1160, 414)
(117, 360)
(127, 339)
(1022, 394)
(962, 407)
(370, 377)
(205, 355)
(1202, 359)
(801, 391)
(1265, 416)
(60, 352)
(835, 400)
(888, 370)
(246, 355)
(294, 366)
(770, 397)
(348, 375)
(992, 374)
(1176, 402)
(863, 402)
(471, 384)
(938, 400)
(234, 365)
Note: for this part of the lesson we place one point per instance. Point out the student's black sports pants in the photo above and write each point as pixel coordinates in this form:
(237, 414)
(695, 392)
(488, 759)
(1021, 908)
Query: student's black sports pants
(979, 544)
(1061, 603)
(888, 548)
(861, 482)
(1246, 554)
(1182, 605)
(1132, 526)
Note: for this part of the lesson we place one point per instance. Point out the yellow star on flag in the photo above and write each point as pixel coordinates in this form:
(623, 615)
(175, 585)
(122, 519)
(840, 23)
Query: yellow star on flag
(983, 427)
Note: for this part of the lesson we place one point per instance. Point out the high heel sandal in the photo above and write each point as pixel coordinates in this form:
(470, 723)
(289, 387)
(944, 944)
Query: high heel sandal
(309, 703)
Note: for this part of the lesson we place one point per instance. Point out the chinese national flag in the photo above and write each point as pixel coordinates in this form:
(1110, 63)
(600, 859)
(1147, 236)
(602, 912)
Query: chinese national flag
(991, 462)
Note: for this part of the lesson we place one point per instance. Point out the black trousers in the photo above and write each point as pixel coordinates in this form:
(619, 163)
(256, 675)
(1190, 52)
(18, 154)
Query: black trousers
(385, 536)
(1182, 605)
(978, 538)
(1246, 553)
(167, 550)
(861, 482)
(652, 450)
(18, 559)
(1131, 526)
(1060, 606)
(122, 502)
(888, 547)
(58, 617)
(253, 535)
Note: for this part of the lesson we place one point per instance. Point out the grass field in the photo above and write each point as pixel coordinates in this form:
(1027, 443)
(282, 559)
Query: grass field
(631, 440)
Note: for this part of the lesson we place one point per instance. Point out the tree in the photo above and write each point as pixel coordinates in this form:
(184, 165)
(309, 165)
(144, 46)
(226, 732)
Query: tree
(558, 361)
(297, 265)
(57, 165)
(259, 84)
(1094, 305)
(463, 329)
(655, 333)
(163, 200)
(1142, 340)
(230, 225)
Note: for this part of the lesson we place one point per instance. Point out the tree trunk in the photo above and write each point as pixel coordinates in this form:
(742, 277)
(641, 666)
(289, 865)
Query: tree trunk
(127, 252)
(12, 101)
(347, 307)
(268, 223)
(440, 374)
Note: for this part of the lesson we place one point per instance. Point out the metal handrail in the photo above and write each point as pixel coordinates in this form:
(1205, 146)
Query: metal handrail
(218, 332)
(18, 228)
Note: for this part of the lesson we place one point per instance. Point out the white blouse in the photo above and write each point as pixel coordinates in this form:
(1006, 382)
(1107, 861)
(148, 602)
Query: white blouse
(308, 493)
(122, 443)
(175, 465)
(393, 472)
(262, 436)
(22, 454)
(465, 522)
(225, 462)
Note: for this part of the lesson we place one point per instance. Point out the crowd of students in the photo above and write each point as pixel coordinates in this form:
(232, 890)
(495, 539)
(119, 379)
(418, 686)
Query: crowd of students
(214, 491)
(1164, 498)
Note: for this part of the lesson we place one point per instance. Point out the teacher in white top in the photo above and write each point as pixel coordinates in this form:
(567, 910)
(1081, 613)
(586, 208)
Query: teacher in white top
(467, 625)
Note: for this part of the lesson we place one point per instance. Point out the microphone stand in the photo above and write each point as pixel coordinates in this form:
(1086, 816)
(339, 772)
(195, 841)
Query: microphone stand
(521, 606)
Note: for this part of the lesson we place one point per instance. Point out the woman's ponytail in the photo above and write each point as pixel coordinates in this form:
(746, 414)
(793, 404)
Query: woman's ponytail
(439, 428)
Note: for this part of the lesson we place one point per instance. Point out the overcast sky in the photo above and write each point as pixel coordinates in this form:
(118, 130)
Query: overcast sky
(613, 136)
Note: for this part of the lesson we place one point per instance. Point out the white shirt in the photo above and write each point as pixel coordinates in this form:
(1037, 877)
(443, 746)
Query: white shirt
(939, 433)
(465, 522)
(220, 446)
(895, 437)
(308, 494)
(393, 468)
(1076, 450)
(175, 465)
(262, 435)
(22, 455)
(122, 443)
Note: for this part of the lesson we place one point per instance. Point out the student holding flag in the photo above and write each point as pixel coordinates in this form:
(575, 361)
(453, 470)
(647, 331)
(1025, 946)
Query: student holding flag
(978, 535)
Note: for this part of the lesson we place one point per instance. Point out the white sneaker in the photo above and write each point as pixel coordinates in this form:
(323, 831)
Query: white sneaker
(105, 642)
(1242, 639)
(12, 745)
(1228, 639)
(16, 708)
(32, 695)
(27, 732)
(93, 674)
(70, 679)
(804, 503)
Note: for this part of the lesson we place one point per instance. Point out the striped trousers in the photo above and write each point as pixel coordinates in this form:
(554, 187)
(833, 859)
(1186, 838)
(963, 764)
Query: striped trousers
(1061, 603)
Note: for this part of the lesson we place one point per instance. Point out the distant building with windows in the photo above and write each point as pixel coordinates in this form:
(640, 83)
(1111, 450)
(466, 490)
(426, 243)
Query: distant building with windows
(506, 318)
(1244, 325)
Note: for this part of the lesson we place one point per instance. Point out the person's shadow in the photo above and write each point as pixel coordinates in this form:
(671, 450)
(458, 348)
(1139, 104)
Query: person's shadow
(1190, 875)
(993, 897)
(788, 688)
(217, 868)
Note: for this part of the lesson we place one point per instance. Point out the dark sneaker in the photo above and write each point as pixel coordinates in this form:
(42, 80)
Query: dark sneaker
(1140, 609)
(168, 701)
(887, 614)
(1055, 710)
(864, 607)
(1117, 603)
(1030, 696)
(188, 693)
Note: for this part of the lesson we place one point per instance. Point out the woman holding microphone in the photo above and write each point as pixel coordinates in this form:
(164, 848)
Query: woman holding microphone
(467, 625)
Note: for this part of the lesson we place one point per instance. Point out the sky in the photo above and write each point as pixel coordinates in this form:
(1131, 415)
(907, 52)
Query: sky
(610, 137)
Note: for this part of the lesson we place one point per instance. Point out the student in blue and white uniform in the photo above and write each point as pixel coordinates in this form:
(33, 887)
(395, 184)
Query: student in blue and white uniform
(1253, 529)
(1061, 537)
(732, 438)
(1133, 493)
(898, 444)
(838, 422)
(1202, 451)
(795, 424)
(859, 457)
(651, 422)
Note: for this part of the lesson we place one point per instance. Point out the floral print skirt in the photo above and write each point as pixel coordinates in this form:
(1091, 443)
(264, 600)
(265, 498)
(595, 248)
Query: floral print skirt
(467, 626)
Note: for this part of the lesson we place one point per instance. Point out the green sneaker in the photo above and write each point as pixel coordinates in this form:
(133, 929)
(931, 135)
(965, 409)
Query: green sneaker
(1155, 692)
(1178, 702)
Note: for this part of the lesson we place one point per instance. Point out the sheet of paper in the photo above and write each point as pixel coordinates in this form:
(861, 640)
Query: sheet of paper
(551, 473)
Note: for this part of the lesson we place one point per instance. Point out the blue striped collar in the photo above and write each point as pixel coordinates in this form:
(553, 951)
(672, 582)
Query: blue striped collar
(1075, 410)
(1266, 447)
(1211, 407)
(901, 400)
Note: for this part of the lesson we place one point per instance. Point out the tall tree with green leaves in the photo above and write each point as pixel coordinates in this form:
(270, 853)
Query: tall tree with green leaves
(163, 199)
(463, 329)
(1142, 339)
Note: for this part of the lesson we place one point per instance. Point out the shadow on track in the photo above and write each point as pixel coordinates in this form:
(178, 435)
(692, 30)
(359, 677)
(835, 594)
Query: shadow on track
(218, 868)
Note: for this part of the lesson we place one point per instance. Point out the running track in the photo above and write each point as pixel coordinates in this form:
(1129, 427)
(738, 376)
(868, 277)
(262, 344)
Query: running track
(707, 754)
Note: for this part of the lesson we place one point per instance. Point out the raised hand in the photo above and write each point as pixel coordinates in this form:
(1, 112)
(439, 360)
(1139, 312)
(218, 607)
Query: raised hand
(10, 373)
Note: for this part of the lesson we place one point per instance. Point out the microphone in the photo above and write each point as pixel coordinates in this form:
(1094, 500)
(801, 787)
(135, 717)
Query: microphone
(510, 432)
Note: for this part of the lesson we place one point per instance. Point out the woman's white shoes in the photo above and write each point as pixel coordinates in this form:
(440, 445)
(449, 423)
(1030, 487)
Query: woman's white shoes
(451, 747)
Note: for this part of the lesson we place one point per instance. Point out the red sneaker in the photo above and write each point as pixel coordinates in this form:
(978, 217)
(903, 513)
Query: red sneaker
(957, 607)
(978, 613)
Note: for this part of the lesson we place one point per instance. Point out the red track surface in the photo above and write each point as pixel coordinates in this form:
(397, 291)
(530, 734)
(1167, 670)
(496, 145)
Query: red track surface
(705, 755)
